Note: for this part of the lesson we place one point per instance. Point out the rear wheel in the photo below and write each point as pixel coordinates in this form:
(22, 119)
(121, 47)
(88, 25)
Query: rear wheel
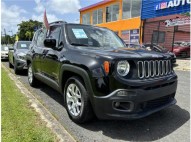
(77, 101)
(31, 78)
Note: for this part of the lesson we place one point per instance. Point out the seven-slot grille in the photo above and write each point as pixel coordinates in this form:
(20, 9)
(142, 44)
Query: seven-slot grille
(154, 68)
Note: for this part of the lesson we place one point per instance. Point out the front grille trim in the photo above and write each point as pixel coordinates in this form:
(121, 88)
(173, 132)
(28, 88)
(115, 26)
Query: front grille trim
(154, 68)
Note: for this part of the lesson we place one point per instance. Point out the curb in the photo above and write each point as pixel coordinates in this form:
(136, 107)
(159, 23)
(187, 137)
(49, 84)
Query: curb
(51, 122)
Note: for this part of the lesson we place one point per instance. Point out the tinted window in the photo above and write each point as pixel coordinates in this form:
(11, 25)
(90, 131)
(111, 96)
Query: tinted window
(112, 13)
(136, 8)
(131, 8)
(40, 37)
(55, 33)
(86, 18)
(23, 45)
(158, 37)
(126, 9)
(92, 37)
(98, 16)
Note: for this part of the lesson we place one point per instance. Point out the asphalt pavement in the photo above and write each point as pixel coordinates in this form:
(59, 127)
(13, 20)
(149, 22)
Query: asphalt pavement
(169, 125)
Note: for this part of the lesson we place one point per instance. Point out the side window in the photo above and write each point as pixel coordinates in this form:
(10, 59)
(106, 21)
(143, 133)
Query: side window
(40, 37)
(55, 33)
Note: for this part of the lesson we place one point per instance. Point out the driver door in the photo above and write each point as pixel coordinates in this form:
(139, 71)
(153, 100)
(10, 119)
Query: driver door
(51, 56)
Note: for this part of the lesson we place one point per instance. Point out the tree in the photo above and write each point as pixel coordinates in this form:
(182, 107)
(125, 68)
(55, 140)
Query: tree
(28, 34)
(26, 29)
(7, 39)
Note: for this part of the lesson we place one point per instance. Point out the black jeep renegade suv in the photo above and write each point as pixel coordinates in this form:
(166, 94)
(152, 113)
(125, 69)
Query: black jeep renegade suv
(97, 73)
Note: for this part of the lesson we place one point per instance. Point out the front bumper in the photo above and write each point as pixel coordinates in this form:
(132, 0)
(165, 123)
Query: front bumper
(138, 102)
(3, 56)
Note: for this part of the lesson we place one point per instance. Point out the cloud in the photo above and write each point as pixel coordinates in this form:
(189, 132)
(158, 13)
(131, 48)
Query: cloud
(58, 6)
(40, 7)
(11, 16)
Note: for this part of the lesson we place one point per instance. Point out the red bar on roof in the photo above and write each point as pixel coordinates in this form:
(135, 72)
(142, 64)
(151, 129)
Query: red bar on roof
(94, 5)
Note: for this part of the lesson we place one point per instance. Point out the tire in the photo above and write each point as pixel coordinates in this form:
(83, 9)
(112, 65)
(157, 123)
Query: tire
(16, 70)
(79, 113)
(31, 78)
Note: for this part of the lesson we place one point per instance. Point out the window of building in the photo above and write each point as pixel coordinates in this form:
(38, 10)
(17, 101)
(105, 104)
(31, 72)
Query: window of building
(126, 9)
(86, 19)
(158, 37)
(136, 8)
(131, 8)
(112, 13)
(98, 16)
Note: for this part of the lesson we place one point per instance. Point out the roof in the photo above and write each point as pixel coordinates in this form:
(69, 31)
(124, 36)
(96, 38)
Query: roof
(94, 5)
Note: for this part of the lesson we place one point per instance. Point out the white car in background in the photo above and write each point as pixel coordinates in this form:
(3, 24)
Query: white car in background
(4, 52)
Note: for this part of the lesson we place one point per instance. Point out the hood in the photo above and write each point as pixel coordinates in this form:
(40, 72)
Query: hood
(123, 53)
(5, 51)
(22, 51)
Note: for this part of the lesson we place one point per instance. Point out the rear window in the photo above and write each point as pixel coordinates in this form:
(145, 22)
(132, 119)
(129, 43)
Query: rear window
(23, 45)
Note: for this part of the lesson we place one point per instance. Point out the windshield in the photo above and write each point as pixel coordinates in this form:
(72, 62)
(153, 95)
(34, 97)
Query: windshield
(5, 48)
(83, 35)
(23, 45)
(181, 44)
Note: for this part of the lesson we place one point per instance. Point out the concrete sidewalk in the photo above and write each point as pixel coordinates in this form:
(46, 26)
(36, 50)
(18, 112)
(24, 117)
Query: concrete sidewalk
(183, 65)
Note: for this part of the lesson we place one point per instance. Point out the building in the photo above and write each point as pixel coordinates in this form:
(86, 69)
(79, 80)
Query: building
(166, 22)
(121, 16)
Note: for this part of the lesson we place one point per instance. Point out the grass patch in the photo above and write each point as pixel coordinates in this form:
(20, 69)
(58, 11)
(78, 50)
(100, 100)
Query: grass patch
(19, 121)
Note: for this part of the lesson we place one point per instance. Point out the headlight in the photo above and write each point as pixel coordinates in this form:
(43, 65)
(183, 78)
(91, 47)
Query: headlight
(123, 68)
(21, 56)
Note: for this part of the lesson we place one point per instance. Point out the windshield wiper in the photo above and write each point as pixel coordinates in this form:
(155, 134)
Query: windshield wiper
(79, 44)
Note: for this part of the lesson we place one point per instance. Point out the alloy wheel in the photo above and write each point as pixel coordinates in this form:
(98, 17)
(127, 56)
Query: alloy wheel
(30, 74)
(73, 99)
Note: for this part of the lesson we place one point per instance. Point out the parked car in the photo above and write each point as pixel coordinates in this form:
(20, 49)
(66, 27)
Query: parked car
(4, 52)
(17, 55)
(181, 49)
(158, 48)
(98, 74)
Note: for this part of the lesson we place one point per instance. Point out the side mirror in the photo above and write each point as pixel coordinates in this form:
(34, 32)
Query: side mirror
(50, 43)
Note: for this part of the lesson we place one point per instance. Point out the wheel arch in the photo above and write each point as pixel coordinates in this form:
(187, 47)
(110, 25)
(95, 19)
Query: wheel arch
(68, 71)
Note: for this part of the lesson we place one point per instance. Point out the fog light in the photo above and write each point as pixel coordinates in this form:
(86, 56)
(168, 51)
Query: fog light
(117, 104)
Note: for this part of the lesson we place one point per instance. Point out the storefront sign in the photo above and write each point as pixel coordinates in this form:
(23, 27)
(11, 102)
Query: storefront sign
(125, 36)
(177, 21)
(134, 36)
(172, 3)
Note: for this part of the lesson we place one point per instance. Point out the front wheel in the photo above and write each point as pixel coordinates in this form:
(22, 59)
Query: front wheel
(31, 78)
(16, 70)
(77, 101)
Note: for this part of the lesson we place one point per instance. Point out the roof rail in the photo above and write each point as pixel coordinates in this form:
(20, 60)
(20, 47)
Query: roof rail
(57, 22)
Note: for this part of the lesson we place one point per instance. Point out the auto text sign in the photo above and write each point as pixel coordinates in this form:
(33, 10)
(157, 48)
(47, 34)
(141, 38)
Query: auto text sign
(177, 21)
(134, 36)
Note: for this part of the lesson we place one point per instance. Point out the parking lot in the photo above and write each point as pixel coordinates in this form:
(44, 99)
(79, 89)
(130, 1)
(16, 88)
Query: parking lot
(171, 124)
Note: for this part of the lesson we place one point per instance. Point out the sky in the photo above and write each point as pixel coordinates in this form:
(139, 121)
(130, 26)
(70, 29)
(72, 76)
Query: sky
(15, 11)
